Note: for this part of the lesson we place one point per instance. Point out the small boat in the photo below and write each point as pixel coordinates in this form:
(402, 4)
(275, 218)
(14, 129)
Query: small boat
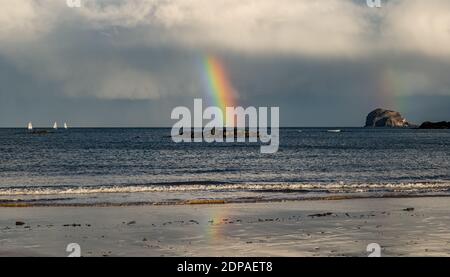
(55, 126)
(30, 126)
(334, 131)
(65, 126)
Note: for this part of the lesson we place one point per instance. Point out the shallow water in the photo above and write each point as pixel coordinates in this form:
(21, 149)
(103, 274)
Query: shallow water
(126, 165)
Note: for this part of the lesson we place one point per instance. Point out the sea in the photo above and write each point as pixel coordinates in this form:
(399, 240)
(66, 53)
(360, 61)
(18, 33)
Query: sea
(143, 166)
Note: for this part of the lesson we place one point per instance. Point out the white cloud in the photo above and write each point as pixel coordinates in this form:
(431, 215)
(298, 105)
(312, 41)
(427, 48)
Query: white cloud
(317, 28)
(418, 26)
(24, 20)
(327, 27)
(298, 27)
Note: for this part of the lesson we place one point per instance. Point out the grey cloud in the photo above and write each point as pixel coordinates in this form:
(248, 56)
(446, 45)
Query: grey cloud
(130, 62)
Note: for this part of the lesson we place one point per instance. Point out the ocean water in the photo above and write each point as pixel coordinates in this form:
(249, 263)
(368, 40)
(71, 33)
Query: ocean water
(122, 166)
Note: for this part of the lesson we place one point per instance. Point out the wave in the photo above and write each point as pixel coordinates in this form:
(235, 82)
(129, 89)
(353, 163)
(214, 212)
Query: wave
(272, 187)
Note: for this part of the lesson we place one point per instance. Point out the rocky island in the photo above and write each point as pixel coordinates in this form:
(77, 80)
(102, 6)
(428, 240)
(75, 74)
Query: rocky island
(435, 125)
(386, 118)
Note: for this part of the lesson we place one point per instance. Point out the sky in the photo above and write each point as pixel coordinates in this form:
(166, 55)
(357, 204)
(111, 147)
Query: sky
(117, 63)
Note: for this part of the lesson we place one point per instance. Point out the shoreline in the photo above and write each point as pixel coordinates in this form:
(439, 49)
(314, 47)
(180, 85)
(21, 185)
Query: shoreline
(402, 227)
(197, 202)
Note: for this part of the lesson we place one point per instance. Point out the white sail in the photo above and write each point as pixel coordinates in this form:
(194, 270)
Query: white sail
(30, 126)
(55, 126)
(65, 126)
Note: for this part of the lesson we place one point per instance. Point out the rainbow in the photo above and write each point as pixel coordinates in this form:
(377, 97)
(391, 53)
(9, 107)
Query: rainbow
(392, 90)
(219, 88)
(217, 227)
(220, 93)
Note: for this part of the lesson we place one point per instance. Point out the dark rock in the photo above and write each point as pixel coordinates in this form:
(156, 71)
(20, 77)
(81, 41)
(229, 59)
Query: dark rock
(72, 225)
(20, 223)
(131, 222)
(409, 209)
(40, 132)
(321, 215)
(386, 118)
(235, 133)
(435, 125)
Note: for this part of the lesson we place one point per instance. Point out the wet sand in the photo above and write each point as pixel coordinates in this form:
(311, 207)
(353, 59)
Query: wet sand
(401, 226)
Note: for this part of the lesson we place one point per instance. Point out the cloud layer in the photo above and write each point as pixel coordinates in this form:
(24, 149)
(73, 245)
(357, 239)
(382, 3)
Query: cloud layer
(151, 49)
(325, 27)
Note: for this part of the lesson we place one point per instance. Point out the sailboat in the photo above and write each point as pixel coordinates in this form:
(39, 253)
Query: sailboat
(30, 126)
(55, 126)
(65, 126)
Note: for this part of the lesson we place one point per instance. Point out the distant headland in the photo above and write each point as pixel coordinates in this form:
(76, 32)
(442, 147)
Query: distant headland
(435, 125)
(387, 118)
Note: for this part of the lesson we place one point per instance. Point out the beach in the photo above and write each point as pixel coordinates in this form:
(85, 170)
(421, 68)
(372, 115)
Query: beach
(171, 128)
(401, 226)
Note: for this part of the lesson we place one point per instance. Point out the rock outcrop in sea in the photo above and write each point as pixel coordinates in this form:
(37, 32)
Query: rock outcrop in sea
(435, 125)
(386, 118)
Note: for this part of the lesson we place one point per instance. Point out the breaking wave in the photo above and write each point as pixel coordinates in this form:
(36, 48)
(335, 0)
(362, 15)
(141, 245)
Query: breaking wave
(272, 187)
